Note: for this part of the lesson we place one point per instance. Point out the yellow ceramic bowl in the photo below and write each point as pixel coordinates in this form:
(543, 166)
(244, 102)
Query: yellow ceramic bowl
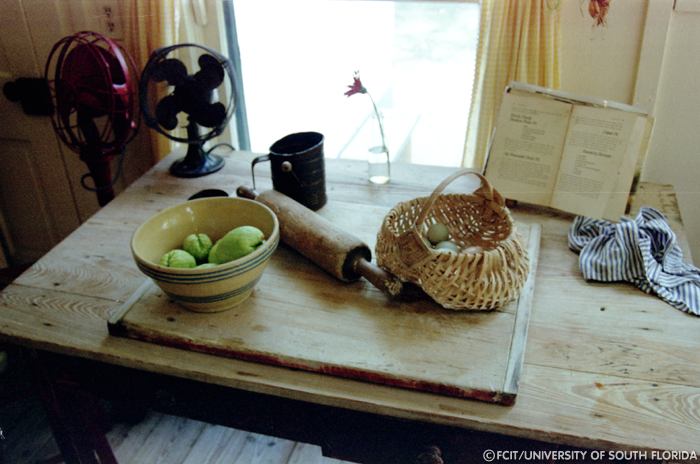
(216, 288)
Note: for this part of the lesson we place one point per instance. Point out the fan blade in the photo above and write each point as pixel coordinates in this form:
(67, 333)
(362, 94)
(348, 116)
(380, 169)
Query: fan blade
(211, 73)
(89, 71)
(117, 72)
(209, 114)
(171, 70)
(166, 112)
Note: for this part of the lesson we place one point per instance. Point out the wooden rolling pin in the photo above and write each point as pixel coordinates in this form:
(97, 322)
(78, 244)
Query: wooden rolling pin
(339, 253)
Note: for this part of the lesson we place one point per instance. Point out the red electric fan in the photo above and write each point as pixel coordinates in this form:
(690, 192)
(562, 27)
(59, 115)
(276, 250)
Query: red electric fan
(94, 90)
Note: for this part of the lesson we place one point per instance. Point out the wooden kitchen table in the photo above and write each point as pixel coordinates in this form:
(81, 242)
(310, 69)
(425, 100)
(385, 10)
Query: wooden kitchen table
(606, 366)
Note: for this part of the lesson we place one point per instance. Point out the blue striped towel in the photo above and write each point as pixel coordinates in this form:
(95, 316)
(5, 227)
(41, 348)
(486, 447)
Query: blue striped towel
(642, 251)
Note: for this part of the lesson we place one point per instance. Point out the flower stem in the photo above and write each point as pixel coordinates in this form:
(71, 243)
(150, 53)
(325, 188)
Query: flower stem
(381, 126)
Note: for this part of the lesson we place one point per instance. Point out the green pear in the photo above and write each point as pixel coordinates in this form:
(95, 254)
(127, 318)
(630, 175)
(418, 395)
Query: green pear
(198, 245)
(237, 243)
(177, 258)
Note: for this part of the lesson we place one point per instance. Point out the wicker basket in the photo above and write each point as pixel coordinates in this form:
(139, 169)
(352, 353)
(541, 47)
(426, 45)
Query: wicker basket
(490, 268)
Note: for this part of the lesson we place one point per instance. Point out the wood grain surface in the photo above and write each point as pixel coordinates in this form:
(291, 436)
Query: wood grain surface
(606, 366)
(294, 320)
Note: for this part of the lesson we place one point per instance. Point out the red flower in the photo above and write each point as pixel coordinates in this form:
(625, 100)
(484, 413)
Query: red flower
(598, 9)
(356, 86)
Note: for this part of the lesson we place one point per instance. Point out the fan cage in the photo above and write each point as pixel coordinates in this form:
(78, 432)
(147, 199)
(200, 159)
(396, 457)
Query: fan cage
(120, 97)
(148, 100)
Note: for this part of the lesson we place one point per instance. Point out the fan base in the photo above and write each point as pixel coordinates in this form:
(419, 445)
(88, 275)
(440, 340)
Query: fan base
(202, 166)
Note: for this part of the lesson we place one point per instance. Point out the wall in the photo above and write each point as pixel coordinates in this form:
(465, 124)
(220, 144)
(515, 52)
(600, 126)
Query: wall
(674, 152)
(603, 62)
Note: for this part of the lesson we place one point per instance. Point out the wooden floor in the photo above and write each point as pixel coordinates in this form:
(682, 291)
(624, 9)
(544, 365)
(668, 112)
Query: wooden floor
(158, 438)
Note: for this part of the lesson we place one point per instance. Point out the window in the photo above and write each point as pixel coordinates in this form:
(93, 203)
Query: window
(415, 58)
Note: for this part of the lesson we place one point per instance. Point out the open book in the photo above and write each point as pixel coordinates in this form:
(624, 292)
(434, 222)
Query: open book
(574, 154)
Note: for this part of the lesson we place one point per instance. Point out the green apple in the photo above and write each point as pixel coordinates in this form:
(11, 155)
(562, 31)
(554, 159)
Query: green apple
(198, 245)
(178, 258)
(237, 243)
(438, 233)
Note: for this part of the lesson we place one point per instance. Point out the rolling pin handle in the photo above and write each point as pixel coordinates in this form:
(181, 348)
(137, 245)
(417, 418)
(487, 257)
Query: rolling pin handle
(246, 192)
(387, 283)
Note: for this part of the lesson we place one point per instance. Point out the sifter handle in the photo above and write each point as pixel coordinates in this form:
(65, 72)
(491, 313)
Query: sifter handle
(246, 192)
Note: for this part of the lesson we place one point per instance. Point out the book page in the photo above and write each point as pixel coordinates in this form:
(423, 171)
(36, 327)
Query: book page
(594, 152)
(629, 170)
(527, 146)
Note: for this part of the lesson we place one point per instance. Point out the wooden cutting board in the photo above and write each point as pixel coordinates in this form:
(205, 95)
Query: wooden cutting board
(301, 318)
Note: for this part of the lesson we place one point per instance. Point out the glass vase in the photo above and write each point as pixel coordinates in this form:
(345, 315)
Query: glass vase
(378, 165)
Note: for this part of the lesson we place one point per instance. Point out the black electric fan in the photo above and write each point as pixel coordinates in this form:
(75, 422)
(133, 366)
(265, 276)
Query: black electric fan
(196, 96)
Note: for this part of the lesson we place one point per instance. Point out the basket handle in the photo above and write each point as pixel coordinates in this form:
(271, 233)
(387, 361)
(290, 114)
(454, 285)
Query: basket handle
(486, 191)
(412, 247)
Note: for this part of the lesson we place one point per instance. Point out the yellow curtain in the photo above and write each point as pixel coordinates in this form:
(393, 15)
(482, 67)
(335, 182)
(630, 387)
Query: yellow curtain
(519, 40)
(152, 24)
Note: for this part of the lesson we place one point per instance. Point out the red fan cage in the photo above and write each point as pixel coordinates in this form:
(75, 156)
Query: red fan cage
(94, 89)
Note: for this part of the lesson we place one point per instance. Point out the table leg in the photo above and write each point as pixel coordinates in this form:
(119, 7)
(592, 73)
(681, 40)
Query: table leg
(75, 415)
(432, 455)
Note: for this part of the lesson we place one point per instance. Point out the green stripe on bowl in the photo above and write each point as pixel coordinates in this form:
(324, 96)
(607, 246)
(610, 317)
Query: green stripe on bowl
(213, 298)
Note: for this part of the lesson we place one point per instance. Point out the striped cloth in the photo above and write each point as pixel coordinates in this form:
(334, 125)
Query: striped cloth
(642, 251)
